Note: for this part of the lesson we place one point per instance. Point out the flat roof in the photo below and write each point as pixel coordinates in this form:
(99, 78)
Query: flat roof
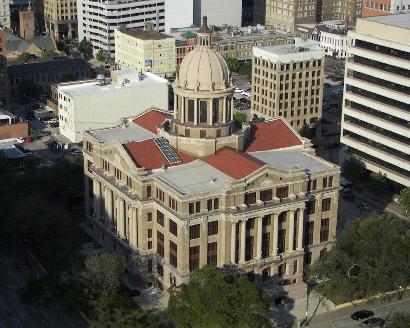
(292, 160)
(93, 87)
(398, 20)
(301, 47)
(145, 35)
(131, 132)
(195, 177)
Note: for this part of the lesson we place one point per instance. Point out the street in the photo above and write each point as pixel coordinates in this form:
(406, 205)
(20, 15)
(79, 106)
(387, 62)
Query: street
(340, 318)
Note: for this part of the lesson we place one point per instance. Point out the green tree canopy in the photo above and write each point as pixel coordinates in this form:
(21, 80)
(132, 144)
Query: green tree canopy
(372, 256)
(49, 54)
(211, 299)
(86, 48)
(399, 320)
(26, 57)
(102, 56)
(354, 169)
(404, 199)
(233, 64)
(240, 117)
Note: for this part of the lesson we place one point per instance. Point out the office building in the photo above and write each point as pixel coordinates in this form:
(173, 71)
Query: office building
(375, 114)
(287, 81)
(175, 192)
(5, 14)
(383, 7)
(27, 25)
(145, 50)
(95, 25)
(347, 10)
(178, 13)
(286, 14)
(103, 102)
(60, 18)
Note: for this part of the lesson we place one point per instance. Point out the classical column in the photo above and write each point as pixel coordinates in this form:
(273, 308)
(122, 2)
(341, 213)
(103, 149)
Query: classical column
(210, 109)
(274, 222)
(224, 110)
(175, 105)
(134, 229)
(110, 215)
(242, 242)
(183, 249)
(233, 241)
(291, 229)
(259, 239)
(195, 111)
(231, 108)
(300, 229)
(121, 217)
(97, 199)
(182, 111)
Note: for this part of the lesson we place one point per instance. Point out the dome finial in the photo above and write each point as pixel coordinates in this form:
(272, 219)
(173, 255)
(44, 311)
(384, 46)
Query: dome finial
(204, 27)
(204, 34)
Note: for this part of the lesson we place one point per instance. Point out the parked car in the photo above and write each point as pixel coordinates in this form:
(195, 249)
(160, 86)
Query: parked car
(237, 90)
(20, 140)
(362, 314)
(373, 322)
(76, 152)
(46, 164)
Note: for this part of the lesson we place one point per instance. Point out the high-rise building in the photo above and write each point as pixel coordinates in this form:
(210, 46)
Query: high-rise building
(384, 7)
(287, 81)
(4, 81)
(178, 13)
(27, 24)
(347, 10)
(375, 115)
(5, 14)
(176, 192)
(286, 14)
(226, 12)
(145, 50)
(60, 18)
(95, 25)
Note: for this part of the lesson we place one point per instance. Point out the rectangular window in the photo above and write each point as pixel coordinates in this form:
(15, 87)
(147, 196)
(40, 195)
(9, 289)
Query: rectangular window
(310, 207)
(266, 195)
(216, 203)
(160, 244)
(149, 233)
(191, 109)
(282, 192)
(203, 112)
(160, 195)
(191, 208)
(250, 198)
(309, 227)
(312, 184)
(212, 256)
(326, 204)
(173, 254)
(324, 182)
(209, 204)
(202, 134)
(324, 230)
(150, 244)
(330, 183)
(160, 218)
(129, 182)
(160, 270)
(198, 207)
(149, 265)
(281, 240)
(149, 192)
(212, 228)
(173, 228)
(117, 173)
(149, 217)
(194, 258)
(194, 231)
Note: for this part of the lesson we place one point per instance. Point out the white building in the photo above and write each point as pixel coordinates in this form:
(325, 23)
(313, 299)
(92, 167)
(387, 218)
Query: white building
(4, 13)
(178, 13)
(219, 12)
(103, 102)
(376, 116)
(334, 41)
(97, 20)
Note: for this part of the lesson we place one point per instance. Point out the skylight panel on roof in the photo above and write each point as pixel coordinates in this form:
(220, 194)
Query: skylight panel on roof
(166, 150)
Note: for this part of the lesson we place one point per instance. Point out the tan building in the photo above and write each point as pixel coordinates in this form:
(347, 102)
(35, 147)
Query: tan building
(287, 81)
(173, 193)
(60, 18)
(145, 50)
(347, 10)
(27, 26)
(285, 14)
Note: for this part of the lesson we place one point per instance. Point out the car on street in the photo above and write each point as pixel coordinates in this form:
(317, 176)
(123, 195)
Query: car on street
(362, 314)
(76, 152)
(46, 164)
(20, 140)
(373, 322)
(237, 90)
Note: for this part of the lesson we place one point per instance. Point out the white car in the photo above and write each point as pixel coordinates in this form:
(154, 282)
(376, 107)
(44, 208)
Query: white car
(246, 93)
(20, 140)
(46, 164)
(76, 152)
(237, 90)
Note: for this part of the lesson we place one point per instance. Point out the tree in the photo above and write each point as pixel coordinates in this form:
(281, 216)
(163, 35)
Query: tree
(354, 169)
(371, 257)
(240, 117)
(404, 199)
(26, 57)
(399, 320)
(378, 183)
(102, 56)
(233, 64)
(212, 299)
(49, 54)
(86, 48)
(28, 89)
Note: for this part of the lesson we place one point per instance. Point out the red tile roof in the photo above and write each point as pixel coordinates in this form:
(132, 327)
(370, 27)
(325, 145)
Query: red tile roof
(271, 135)
(151, 119)
(235, 164)
(146, 154)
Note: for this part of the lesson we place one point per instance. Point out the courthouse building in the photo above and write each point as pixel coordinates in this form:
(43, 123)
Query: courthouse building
(173, 193)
